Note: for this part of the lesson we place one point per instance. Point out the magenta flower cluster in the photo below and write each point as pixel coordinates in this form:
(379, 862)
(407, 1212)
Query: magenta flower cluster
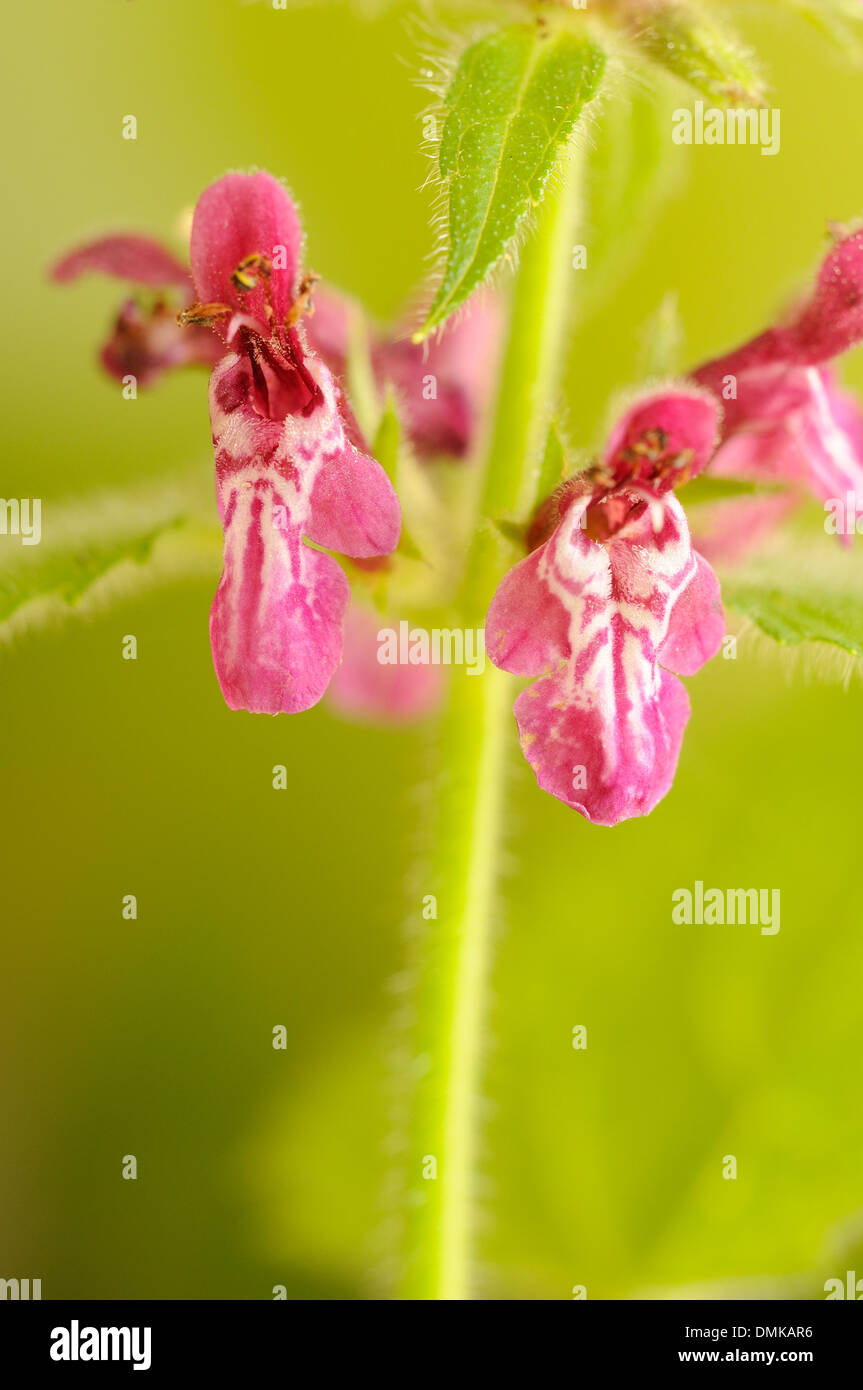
(611, 604)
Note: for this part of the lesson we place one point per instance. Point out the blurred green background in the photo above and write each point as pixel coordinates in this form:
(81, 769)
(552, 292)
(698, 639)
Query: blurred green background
(260, 1167)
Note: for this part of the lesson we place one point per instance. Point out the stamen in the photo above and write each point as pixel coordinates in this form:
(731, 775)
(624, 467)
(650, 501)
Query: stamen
(303, 303)
(202, 313)
(245, 277)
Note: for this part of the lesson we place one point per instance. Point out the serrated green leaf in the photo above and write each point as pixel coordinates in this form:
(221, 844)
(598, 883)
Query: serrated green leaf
(684, 41)
(69, 574)
(91, 543)
(513, 104)
(792, 618)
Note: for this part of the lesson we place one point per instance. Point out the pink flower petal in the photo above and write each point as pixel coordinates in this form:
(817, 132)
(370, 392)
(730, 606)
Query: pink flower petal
(831, 439)
(785, 419)
(145, 343)
(603, 731)
(726, 532)
(126, 257)
(663, 439)
(365, 688)
(696, 624)
(831, 321)
(244, 215)
(276, 622)
(445, 385)
(827, 324)
(328, 328)
(795, 425)
(354, 508)
(623, 746)
(527, 627)
(759, 395)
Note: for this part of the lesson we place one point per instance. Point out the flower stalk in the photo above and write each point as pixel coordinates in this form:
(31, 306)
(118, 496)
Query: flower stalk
(474, 739)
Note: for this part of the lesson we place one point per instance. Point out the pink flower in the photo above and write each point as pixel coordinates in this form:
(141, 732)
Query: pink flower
(444, 386)
(146, 339)
(365, 689)
(443, 389)
(126, 256)
(785, 419)
(611, 601)
(727, 531)
(290, 465)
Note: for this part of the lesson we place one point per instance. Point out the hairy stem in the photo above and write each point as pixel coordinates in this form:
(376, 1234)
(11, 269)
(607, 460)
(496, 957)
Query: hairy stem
(476, 735)
(535, 347)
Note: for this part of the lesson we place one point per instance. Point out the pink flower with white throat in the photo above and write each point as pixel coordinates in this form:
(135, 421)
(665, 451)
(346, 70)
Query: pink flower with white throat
(786, 419)
(444, 386)
(609, 607)
(290, 464)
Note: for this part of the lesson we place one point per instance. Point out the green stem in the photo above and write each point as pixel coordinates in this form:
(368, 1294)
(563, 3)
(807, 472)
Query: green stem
(531, 368)
(476, 735)
(451, 989)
